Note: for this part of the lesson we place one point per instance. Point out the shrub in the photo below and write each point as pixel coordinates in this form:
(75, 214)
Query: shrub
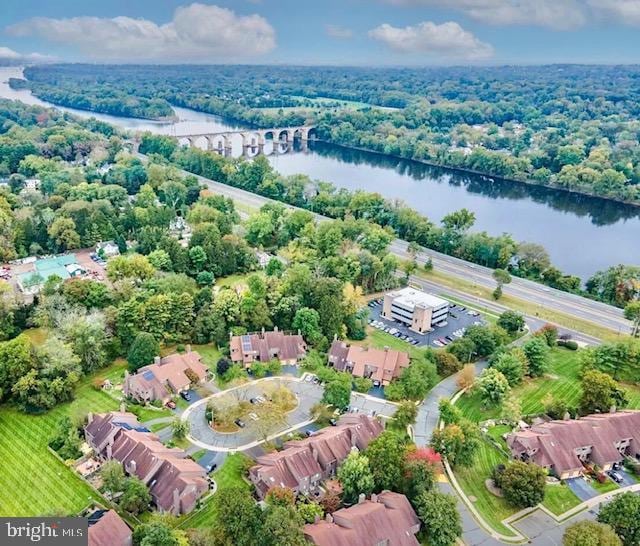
(362, 384)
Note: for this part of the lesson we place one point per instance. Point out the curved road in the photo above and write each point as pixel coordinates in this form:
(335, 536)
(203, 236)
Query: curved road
(599, 313)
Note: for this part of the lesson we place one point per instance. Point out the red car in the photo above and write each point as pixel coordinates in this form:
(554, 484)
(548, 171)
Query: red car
(171, 404)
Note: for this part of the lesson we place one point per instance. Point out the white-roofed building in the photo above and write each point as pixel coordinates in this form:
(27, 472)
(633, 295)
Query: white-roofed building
(419, 310)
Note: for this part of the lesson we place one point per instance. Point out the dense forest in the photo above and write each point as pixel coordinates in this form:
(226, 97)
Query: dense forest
(567, 126)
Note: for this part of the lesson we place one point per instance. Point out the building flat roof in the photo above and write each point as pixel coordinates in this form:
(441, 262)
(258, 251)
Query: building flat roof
(410, 297)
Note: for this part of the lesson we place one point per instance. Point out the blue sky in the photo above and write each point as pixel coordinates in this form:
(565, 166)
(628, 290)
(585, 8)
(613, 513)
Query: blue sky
(358, 32)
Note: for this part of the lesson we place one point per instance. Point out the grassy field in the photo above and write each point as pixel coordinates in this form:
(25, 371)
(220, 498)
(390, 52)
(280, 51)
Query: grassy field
(523, 306)
(562, 381)
(210, 355)
(228, 475)
(559, 498)
(605, 487)
(45, 485)
(472, 480)
(379, 340)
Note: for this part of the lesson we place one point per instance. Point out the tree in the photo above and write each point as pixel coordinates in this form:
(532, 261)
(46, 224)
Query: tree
(509, 365)
(280, 496)
(511, 410)
(386, 459)
(113, 478)
(355, 476)
(439, 515)
(600, 392)
(143, 351)
(133, 266)
(550, 334)
(622, 514)
(590, 533)
(63, 232)
(179, 428)
(556, 408)
(307, 321)
(155, 533)
(419, 473)
(309, 511)
(501, 277)
(337, 393)
(66, 440)
(135, 496)
(458, 442)
(493, 386)
(222, 366)
(447, 363)
(406, 414)
(523, 484)
(449, 413)
(632, 313)
(537, 352)
(511, 321)
(238, 517)
(282, 526)
(467, 377)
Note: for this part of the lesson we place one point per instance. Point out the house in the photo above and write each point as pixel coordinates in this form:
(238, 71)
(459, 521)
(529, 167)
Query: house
(387, 519)
(175, 482)
(303, 464)
(165, 377)
(380, 365)
(289, 349)
(106, 528)
(564, 447)
(64, 267)
(32, 184)
(419, 310)
(107, 249)
(263, 258)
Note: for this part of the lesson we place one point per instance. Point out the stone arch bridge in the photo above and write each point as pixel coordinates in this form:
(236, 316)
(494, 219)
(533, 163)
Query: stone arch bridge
(252, 139)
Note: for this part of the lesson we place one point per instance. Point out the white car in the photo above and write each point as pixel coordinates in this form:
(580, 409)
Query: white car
(437, 343)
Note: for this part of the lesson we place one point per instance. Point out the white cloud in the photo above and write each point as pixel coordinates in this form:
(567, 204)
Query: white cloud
(623, 11)
(336, 31)
(556, 14)
(198, 32)
(13, 57)
(448, 40)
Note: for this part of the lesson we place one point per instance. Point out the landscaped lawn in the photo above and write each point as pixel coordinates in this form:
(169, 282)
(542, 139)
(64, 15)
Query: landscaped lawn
(497, 432)
(228, 475)
(232, 280)
(32, 480)
(210, 355)
(559, 498)
(379, 340)
(472, 480)
(605, 487)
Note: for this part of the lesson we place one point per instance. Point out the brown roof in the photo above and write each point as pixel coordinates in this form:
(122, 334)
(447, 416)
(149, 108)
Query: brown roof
(379, 364)
(157, 381)
(109, 530)
(319, 454)
(174, 481)
(386, 517)
(267, 345)
(555, 443)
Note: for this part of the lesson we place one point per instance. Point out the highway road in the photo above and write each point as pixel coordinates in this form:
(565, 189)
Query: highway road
(598, 313)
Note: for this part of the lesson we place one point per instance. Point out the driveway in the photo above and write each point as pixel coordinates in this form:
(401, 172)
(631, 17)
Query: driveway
(581, 488)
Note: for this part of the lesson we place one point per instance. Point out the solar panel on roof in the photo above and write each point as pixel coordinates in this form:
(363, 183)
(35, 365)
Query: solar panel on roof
(125, 426)
(246, 343)
(147, 375)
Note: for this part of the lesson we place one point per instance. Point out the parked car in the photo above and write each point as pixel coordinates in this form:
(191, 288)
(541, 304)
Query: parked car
(253, 400)
(442, 324)
(254, 416)
(437, 343)
(453, 315)
(240, 423)
(171, 404)
(616, 477)
(186, 395)
(211, 467)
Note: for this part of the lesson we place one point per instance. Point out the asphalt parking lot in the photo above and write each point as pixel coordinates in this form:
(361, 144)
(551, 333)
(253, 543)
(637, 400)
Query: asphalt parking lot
(458, 318)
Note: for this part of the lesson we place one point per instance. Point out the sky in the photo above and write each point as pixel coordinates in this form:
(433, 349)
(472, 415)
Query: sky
(339, 32)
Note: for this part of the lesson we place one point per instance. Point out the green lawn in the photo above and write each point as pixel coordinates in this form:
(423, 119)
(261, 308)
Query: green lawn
(32, 480)
(210, 355)
(378, 339)
(605, 487)
(497, 432)
(559, 498)
(472, 480)
(232, 281)
(228, 475)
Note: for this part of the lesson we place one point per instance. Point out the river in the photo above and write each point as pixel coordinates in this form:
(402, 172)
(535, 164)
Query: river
(582, 234)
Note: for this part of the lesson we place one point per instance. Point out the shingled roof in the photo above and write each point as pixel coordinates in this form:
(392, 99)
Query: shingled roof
(264, 346)
(387, 518)
(381, 365)
(106, 528)
(604, 437)
(174, 481)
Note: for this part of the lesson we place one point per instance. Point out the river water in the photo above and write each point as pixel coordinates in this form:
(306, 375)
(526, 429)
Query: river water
(582, 234)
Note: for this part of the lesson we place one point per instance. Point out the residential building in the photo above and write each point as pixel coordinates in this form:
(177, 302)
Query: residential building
(303, 464)
(289, 349)
(107, 249)
(165, 377)
(32, 184)
(175, 482)
(107, 528)
(564, 447)
(418, 310)
(388, 519)
(379, 365)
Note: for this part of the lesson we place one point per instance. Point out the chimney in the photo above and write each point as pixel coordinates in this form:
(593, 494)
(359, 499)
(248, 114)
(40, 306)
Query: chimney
(188, 347)
(89, 418)
(263, 330)
(316, 518)
(275, 328)
(132, 467)
(123, 407)
(176, 501)
(335, 337)
(374, 497)
(156, 360)
(612, 409)
(361, 498)
(328, 518)
(299, 332)
(386, 348)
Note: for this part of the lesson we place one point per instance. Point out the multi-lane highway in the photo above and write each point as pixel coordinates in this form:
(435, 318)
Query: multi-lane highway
(598, 313)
